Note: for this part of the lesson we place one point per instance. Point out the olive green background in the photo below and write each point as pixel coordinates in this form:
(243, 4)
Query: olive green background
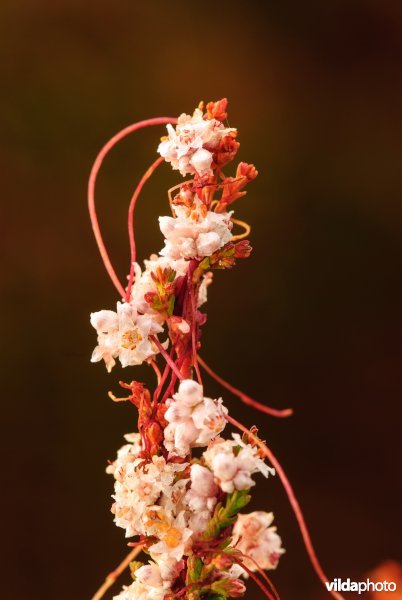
(312, 320)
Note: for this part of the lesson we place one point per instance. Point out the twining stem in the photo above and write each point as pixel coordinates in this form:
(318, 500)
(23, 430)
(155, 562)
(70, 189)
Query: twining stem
(111, 578)
(287, 412)
(293, 502)
(131, 208)
(157, 371)
(91, 190)
(250, 573)
(166, 356)
(194, 330)
(246, 228)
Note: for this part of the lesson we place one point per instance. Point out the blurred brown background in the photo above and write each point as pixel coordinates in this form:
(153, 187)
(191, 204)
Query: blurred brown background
(312, 320)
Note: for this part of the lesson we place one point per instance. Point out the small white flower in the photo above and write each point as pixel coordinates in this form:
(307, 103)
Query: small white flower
(193, 420)
(189, 147)
(203, 490)
(127, 454)
(254, 537)
(174, 538)
(148, 585)
(232, 471)
(123, 334)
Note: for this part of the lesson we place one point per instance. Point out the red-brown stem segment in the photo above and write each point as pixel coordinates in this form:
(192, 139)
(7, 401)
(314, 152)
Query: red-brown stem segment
(293, 502)
(258, 582)
(287, 412)
(261, 572)
(194, 329)
(131, 208)
(157, 371)
(111, 578)
(91, 190)
(166, 356)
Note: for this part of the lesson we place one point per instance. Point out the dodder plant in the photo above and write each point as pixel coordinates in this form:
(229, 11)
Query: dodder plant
(185, 509)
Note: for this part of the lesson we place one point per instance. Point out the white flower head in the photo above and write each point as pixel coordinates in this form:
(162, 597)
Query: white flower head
(187, 238)
(140, 486)
(193, 419)
(174, 536)
(189, 147)
(233, 470)
(123, 334)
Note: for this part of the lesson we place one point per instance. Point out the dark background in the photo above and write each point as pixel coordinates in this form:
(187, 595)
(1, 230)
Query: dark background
(312, 320)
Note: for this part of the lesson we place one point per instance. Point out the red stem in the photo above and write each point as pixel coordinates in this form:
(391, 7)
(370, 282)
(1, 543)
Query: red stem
(256, 579)
(261, 572)
(91, 190)
(157, 371)
(166, 356)
(194, 328)
(131, 208)
(170, 389)
(293, 502)
(287, 412)
(162, 382)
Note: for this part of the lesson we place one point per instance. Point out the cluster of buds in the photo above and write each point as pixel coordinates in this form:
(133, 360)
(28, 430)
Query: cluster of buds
(179, 485)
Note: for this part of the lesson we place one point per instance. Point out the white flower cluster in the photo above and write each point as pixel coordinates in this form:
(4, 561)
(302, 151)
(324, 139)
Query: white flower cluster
(233, 463)
(123, 334)
(193, 419)
(254, 537)
(186, 238)
(189, 147)
(173, 501)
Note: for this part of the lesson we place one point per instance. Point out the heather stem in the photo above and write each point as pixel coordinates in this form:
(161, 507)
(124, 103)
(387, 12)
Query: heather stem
(111, 578)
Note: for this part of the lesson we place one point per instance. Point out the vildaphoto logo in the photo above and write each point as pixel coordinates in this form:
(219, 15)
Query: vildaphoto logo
(340, 585)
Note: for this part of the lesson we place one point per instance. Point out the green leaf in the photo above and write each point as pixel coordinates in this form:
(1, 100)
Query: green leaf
(194, 569)
(224, 516)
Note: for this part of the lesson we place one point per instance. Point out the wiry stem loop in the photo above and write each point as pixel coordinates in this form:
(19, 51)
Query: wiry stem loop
(91, 190)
